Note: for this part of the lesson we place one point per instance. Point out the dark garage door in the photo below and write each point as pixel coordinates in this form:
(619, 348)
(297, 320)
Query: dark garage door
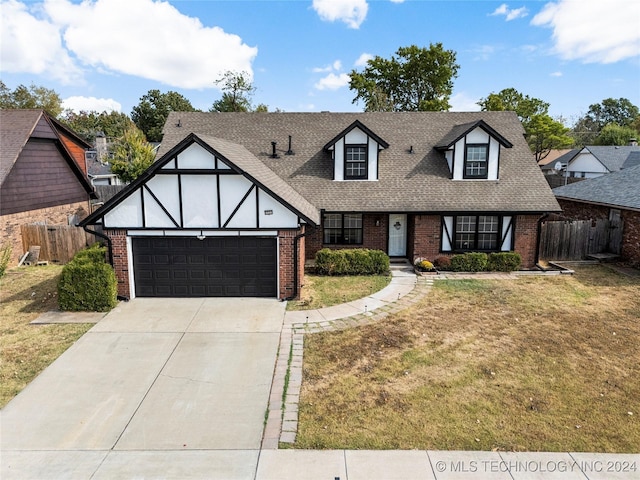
(212, 267)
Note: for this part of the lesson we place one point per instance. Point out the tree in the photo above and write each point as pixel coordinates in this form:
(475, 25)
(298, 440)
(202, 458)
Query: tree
(151, 113)
(621, 112)
(132, 155)
(545, 134)
(89, 124)
(415, 79)
(510, 99)
(30, 97)
(614, 134)
(237, 91)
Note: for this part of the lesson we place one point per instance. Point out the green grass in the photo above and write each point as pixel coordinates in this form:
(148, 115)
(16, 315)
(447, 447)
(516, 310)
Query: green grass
(325, 291)
(534, 364)
(25, 349)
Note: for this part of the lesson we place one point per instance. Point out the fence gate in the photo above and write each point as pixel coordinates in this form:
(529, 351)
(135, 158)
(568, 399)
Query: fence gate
(574, 240)
(58, 243)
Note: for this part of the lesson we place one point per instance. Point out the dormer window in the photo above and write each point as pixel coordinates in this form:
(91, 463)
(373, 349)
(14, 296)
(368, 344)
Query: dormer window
(472, 151)
(355, 152)
(476, 161)
(355, 167)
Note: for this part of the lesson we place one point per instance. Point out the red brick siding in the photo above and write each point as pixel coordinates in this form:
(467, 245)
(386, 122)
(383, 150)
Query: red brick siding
(373, 237)
(631, 230)
(526, 239)
(120, 260)
(57, 215)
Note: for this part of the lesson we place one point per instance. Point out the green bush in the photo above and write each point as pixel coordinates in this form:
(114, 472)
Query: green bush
(5, 256)
(88, 283)
(469, 262)
(504, 262)
(359, 261)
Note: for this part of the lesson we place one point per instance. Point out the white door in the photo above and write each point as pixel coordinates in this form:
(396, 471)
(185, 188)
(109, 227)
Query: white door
(397, 235)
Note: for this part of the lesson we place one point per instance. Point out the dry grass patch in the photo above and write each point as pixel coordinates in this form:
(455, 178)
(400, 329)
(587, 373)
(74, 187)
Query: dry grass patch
(321, 291)
(537, 364)
(26, 350)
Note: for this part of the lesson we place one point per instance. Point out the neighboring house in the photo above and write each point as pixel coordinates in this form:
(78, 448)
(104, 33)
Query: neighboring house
(591, 161)
(236, 202)
(553, 156)
(99, 172)
(41, 178)
(612, 196)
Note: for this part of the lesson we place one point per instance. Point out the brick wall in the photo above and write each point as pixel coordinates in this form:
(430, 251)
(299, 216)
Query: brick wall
(58, 215)
(120, 260)
(426, 237)
(373, 236)
(526, 239)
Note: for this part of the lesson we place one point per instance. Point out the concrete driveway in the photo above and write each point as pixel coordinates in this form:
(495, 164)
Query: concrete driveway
(187, 381)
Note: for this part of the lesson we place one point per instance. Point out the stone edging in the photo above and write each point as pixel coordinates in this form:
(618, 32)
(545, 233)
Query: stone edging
(282, 416)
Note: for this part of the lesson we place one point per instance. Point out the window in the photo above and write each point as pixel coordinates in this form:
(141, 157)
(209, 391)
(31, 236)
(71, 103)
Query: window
(475, 161)
(342, 229)
(476, 232)
(355, 165)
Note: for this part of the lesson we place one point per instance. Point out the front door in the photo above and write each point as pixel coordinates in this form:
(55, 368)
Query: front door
(397, 235)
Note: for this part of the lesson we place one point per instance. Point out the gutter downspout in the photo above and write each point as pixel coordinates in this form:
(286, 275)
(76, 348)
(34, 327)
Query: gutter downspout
(538, 231)
(102, 235)
(296, 241)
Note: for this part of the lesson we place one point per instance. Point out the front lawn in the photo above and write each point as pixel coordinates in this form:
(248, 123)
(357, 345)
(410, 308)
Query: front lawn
(324, 291)
(533, 364)
(25, 349)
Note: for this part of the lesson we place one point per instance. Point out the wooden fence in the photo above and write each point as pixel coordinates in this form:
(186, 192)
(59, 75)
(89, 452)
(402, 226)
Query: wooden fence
(574, 240)
(58, 243)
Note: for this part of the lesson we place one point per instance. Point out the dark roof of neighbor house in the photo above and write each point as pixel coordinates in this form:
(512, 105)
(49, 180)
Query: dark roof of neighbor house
(408, 182)
(612, 157)
(239, 158)
(17, 126)
(632, 160)
(95, 167)
(617, 189)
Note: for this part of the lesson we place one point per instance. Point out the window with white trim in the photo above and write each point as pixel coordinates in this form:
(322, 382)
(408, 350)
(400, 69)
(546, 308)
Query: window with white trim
(355, 165)
(342, 229)
(476, 161)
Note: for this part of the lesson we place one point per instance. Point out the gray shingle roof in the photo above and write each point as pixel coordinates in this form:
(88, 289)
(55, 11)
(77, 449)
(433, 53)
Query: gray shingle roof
(632, 160)
(612, 157)
(16, 127)
(418, 182)
(617, 189)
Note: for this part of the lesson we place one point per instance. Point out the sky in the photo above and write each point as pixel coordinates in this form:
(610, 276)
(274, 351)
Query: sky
(106, 54)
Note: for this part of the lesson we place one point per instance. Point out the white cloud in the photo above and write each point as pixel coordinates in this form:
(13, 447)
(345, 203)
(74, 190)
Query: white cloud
(34, 45)
(462, 102)
(351, 12)
(337, 65)
(333, 82)
(145, 38)
(91, 104)
(483, 52)
(595, 32)
(510, 14)
(397, 1)
(363, 59)
(556, 74)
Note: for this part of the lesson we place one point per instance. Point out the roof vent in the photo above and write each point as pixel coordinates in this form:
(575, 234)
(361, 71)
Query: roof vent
(289, 151)
(273, 150)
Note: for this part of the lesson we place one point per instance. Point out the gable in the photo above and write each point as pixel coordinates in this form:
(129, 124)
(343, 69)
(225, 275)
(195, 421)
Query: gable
(477, 136)
(196, 187)
(41, 177)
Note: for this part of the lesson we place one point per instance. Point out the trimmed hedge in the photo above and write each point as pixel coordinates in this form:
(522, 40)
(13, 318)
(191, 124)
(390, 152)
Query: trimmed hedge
(481, 262)
(88, 283)
(504, 262)
(357, 261)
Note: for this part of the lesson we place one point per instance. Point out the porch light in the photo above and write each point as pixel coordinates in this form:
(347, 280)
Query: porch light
(397, 225)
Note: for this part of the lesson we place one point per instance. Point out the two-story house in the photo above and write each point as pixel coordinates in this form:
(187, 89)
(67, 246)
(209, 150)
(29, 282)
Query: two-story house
(236, 202)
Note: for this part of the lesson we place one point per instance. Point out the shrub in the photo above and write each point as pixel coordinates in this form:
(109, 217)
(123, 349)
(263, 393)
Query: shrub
(360, 261)
(469, 262)
(504, 262)
(5, 256)
(442, 262)
(88, 283)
